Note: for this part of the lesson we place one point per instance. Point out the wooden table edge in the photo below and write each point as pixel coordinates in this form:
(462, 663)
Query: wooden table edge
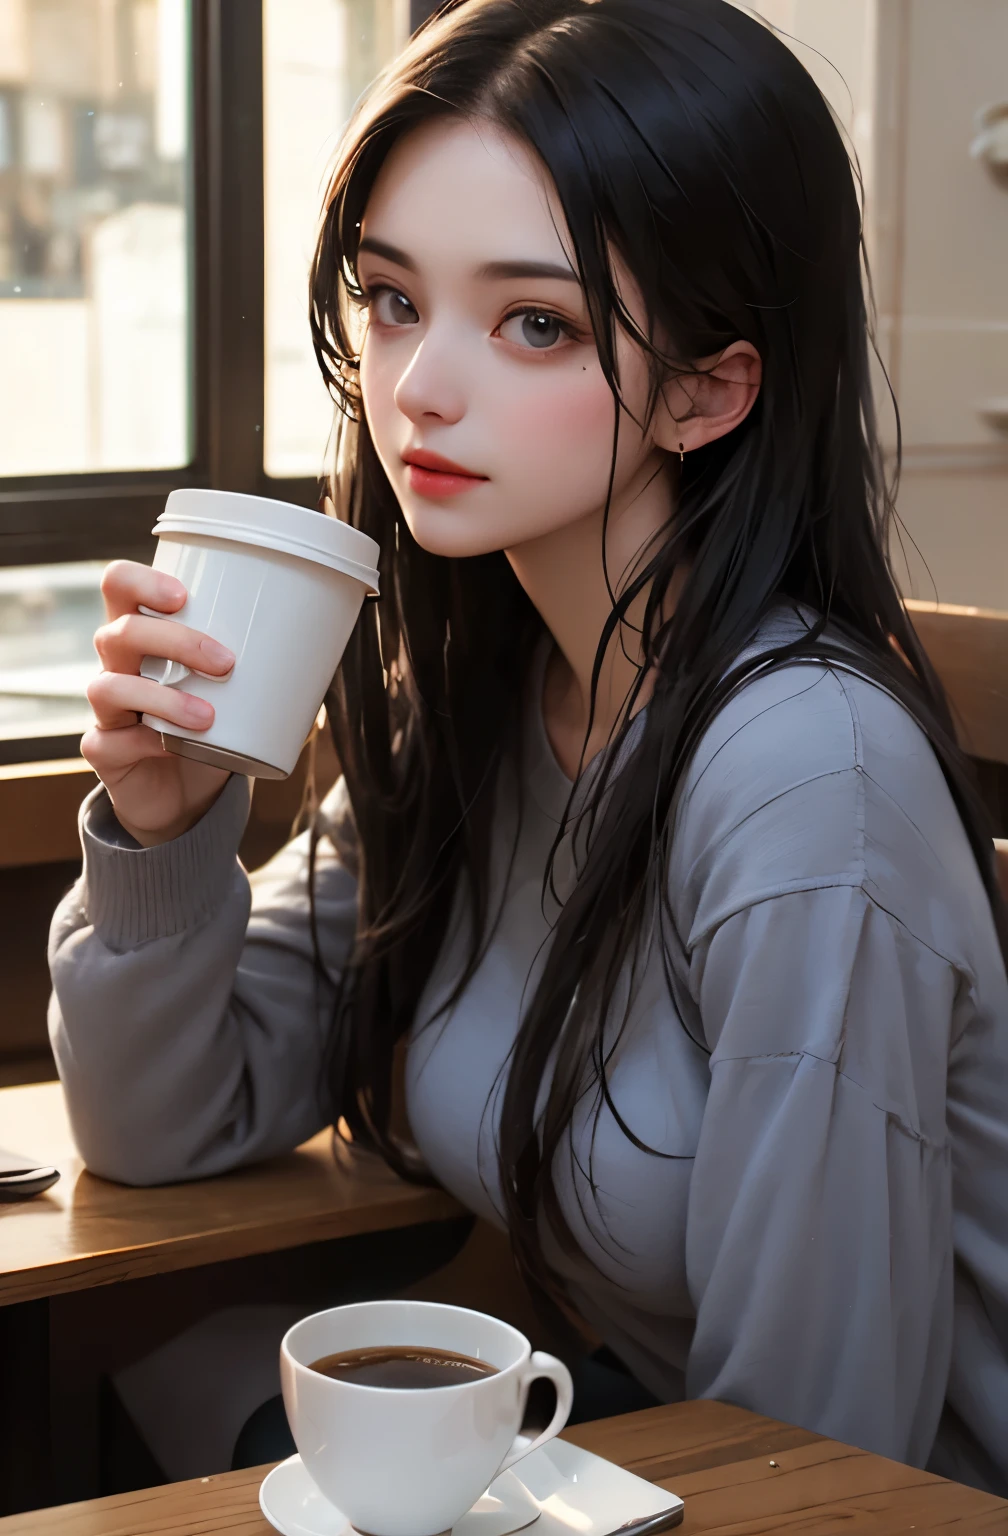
(408, 1208)
(719, 1423)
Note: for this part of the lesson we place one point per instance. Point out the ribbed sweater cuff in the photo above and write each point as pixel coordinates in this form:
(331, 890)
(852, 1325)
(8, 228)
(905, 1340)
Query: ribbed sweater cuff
(132, 894)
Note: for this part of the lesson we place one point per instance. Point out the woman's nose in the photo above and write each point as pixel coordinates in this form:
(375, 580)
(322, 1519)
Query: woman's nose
(432, 385)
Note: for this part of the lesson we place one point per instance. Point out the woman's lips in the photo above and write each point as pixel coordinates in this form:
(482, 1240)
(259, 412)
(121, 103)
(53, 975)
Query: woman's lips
(432, 476)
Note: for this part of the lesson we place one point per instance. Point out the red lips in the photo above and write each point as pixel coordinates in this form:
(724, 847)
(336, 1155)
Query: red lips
(434, 461)
(437, 478)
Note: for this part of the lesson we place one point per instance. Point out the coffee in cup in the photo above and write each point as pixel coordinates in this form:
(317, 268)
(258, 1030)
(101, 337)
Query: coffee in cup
(409, 1451)
(281, 587)
(408, 1368)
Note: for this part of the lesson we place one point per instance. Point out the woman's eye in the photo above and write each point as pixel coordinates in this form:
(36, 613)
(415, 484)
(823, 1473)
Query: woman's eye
(533, 328)
(389, 307)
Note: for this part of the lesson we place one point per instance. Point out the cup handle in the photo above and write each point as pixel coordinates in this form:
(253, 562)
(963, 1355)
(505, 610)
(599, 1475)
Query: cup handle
(542, 1364)
(157, 668)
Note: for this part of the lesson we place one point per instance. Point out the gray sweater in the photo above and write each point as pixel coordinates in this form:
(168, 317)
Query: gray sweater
(828, 1243)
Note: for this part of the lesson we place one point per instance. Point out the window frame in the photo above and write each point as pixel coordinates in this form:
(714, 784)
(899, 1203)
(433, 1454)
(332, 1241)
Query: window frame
(45, 519)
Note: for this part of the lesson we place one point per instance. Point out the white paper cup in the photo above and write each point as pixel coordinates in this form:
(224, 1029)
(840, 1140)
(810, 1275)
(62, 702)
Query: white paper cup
(411, 1463)
(279, 586)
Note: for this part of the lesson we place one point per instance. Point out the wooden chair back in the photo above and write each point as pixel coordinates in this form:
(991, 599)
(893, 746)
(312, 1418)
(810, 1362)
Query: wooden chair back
(968, 648)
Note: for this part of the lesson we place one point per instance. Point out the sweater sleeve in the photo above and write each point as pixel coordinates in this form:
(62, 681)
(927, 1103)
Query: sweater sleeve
(188, 1017)
(819, 1235)
(834, 929)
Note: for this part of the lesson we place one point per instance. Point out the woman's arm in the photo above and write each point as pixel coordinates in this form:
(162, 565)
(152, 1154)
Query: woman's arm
(842, 959)
(819, 1240)
(188, 1018)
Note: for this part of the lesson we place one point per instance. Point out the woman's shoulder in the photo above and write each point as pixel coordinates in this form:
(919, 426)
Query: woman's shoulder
(812, 775)
(803, 720)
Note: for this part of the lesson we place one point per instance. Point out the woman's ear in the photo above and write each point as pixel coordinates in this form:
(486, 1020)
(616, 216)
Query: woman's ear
(696, 408)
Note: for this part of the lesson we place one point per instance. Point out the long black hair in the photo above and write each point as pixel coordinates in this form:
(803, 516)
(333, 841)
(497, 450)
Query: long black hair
(684, 135)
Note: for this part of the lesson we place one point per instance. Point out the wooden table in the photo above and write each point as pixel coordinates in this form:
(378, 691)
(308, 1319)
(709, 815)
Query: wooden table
(86, 1232)
(737, 1472)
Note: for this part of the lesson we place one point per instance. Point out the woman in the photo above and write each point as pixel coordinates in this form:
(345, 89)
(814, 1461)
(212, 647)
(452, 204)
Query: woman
(653, 844)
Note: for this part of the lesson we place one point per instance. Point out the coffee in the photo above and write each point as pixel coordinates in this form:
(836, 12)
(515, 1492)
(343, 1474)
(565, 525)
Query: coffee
(406, 1462)
(403, 1367)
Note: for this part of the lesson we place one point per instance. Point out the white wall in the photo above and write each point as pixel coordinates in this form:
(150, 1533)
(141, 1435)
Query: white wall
(937, 228)
(943, 288)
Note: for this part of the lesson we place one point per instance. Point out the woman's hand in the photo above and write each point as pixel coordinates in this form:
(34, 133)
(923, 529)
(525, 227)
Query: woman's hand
(157, 796)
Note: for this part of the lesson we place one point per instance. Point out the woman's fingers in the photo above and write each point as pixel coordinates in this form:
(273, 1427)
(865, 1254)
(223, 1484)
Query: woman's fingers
(118, 697)
(116, 751)
(126, 586)
(155, 803)
(125, 641)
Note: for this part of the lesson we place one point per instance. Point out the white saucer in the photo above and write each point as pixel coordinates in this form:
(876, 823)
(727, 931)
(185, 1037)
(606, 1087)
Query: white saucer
(568, 1491)
(292, 1502)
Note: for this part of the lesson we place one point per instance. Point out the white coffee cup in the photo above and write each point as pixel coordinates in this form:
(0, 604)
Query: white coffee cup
(281, 587)
(411, 1462)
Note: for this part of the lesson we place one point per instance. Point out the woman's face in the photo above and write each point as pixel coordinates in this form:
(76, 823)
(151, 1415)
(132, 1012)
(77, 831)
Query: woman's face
(478, 350)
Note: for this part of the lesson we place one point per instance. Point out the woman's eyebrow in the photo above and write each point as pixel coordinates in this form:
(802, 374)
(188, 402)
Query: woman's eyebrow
(489, 271)
(390, 253)
(503, 269)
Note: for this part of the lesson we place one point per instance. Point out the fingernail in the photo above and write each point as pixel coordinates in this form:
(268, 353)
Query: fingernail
(172, 590)
(199, 710)
(217, 653)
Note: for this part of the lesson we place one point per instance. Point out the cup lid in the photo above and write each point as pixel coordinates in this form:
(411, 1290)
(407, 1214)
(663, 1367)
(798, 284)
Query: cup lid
(270, 524)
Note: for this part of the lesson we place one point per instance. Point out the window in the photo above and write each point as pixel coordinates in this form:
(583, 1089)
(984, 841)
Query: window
(319, 55)
(94, 255)
(48, 614)
(149, 336)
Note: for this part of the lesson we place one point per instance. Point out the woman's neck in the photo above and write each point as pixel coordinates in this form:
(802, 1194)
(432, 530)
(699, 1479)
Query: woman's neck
(564, 576)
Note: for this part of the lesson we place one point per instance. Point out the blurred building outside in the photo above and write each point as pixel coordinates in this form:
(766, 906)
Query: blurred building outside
(93, 218)
(48, 615)
(94, 298)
